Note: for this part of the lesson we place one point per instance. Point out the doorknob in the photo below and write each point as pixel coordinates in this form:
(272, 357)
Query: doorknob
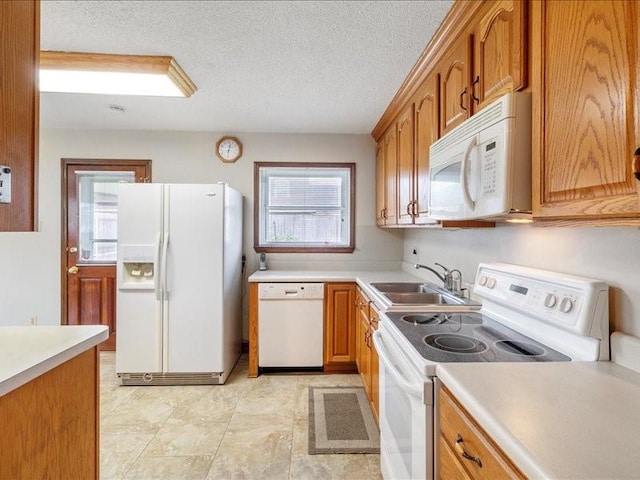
(73, 249)
(73, 270)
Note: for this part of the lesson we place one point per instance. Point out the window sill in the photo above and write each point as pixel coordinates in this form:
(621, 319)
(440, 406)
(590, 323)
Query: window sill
(260, 249)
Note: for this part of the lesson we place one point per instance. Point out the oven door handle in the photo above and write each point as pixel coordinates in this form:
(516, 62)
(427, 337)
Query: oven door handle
(410, 388)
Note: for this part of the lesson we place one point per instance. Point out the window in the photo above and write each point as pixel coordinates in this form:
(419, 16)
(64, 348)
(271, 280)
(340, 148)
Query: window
(304, 207)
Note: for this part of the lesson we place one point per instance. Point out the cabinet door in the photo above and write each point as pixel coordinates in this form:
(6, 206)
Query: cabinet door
(19, 53)
(374, 317)
(455, 95)
(390, 172)
(340, 326)
(586, 110)
(405, 165)
(381, 182)
(427, 130)
(500, 50)
(365, 354)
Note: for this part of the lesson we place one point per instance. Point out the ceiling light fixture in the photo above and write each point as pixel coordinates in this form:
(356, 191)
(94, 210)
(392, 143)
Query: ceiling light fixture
(111, 74)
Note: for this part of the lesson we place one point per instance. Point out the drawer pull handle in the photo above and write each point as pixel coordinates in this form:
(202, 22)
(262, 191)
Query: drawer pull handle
(463, 452)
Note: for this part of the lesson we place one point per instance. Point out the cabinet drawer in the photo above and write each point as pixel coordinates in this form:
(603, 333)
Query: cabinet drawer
(461, 434)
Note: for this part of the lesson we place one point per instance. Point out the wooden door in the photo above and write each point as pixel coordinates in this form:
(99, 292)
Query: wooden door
(586, 109)
(19, 53)
(391, 175)
(381, 184)
(427, 131)
(455, 94)
(500, 60)
(340, 327)
(89, 248)
(405, 165)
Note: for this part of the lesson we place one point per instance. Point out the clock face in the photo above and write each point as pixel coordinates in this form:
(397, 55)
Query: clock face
(229, 149)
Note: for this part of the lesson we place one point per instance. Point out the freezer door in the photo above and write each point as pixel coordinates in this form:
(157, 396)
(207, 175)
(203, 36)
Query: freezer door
(194, 271)
(138, 310)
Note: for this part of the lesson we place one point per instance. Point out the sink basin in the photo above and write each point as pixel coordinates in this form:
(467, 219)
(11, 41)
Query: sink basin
(422, 298)
(398, 287)
(424, 295)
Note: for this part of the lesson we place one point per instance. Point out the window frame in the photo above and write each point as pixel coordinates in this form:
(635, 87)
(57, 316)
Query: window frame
(301, 249)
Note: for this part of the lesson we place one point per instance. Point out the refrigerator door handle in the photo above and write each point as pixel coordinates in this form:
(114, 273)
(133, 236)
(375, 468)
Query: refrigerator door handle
(165, 247)
(158, 269)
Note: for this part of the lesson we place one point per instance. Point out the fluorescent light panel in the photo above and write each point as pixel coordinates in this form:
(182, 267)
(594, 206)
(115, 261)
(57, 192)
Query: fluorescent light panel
(70, 72)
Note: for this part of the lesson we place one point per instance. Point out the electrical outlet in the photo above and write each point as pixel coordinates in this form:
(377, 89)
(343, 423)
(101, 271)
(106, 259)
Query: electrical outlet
(33, 320)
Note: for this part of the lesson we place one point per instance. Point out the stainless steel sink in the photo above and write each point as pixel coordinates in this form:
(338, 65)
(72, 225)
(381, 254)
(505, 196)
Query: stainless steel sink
(422, 298)
(398, 287)
(424, 295)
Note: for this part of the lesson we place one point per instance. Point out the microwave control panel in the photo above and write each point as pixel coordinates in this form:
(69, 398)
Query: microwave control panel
(489, 167)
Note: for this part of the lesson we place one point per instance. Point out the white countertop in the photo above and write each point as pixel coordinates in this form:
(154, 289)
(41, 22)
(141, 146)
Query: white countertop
(28, 352)
(332, 276)
(362, 278)
(565, 420)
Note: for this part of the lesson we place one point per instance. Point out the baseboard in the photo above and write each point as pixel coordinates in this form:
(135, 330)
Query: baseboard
(346, 367)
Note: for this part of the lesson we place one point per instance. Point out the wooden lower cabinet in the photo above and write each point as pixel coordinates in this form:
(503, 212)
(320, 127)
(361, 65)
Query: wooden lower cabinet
(366, 355)
(465, 450)
(374, 317)
(339, 327)
(50, 424)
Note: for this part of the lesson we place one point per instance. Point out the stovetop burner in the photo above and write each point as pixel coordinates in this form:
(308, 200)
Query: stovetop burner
(451, 342)
(424, 318)
(468, 337)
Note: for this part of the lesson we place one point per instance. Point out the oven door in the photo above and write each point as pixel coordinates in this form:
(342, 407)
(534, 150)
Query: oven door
(406, 423)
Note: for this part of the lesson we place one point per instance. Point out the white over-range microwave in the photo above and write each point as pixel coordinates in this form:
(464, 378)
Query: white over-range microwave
(482, 168)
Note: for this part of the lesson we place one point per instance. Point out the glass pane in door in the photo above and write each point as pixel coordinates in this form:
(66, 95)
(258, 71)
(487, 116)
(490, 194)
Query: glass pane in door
(98, 214)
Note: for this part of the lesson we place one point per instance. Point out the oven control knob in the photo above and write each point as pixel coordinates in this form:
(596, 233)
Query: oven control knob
(550, 300)
(491, 282)
(566, 305)
(483, 280)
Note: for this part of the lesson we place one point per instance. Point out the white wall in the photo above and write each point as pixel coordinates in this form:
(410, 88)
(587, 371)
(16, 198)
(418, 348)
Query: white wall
(608, 254)
(30, 262)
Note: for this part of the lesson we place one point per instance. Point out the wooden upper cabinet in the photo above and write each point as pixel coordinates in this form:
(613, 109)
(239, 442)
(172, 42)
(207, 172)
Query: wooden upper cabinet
(390, 175)
(500, 57)
(381, 200)
(426, 132)
(455, 85)
(405, 165)
(586, 109)
(19, 53)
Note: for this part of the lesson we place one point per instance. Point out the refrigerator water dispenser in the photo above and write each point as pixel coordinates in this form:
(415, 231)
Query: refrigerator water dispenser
(137, 268)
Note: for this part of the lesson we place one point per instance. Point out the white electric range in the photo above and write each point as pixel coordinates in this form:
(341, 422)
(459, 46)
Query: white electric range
(527, 315)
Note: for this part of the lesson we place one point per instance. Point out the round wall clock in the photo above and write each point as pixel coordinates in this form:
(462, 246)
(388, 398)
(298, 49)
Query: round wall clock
(229, 149)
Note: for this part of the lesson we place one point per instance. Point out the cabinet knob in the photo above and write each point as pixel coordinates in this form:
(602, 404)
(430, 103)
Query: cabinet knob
(473, 90)
(464, 92)
(462, 451)
(636, 164)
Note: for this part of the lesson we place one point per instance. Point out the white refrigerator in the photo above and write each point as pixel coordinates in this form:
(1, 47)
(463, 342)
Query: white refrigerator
(179, 277)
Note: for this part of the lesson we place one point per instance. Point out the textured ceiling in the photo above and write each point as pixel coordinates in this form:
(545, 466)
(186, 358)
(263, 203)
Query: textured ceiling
(264, 66)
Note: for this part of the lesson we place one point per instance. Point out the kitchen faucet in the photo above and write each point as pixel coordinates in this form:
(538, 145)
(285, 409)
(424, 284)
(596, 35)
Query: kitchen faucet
(451, 282)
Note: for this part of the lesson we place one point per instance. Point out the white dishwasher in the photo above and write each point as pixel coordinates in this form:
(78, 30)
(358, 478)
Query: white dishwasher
(290, 324)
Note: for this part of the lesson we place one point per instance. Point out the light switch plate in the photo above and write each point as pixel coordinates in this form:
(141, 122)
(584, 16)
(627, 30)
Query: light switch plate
(5, 184)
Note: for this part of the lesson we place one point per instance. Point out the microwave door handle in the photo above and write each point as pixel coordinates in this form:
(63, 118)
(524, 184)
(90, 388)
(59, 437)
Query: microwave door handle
(464, 181)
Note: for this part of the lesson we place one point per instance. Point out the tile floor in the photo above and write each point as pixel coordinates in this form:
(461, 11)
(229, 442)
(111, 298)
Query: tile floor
(245, 429)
